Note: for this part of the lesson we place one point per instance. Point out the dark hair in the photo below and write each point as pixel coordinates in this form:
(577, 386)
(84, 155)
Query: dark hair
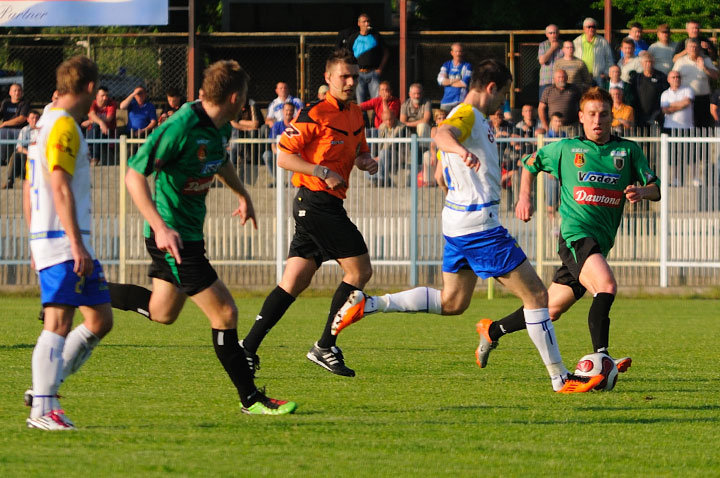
(341, 55)
(104, 88)
(693, 40)
(629, 41)
(490, 71)
(557, 114)
(636, 25)
(172, 91)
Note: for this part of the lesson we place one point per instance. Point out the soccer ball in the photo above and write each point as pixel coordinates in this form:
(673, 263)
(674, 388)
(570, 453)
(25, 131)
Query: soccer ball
(593, 364)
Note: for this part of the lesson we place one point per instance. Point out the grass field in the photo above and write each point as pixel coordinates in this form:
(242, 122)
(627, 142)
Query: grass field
(154, 401)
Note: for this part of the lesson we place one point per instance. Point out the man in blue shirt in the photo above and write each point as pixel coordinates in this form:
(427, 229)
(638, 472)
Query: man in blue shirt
(142, 117)
(278, 127)
(454, 76)
(371, 53)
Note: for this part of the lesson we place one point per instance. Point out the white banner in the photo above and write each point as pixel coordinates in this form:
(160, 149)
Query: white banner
(65, 13)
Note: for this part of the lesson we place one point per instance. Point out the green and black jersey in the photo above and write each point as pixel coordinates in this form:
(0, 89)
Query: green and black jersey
(592, 180)
(185, 152)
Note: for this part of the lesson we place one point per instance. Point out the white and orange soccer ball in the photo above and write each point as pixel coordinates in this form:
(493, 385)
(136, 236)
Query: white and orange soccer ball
(593, 364)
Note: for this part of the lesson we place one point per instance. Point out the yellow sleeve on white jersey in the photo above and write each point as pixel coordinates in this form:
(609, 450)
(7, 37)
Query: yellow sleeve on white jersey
(462, 118)
(63, 144)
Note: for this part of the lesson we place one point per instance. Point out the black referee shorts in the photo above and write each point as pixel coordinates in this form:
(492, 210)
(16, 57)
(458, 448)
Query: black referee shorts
(573, 258)
(323, 229)
(194, 274)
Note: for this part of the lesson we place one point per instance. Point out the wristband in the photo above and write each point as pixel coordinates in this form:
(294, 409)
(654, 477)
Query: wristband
(320, 172)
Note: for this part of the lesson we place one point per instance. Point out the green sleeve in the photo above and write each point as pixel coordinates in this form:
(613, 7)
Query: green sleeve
(162, 147)
(545, 159)
(640, 168)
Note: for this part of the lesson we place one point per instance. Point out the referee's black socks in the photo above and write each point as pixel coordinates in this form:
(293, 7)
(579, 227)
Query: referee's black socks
(275, 305)
(130, 297)
(599, 320)
(233, 360)
(341, 295)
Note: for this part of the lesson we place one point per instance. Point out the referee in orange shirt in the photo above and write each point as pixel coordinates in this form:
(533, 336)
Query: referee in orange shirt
(321, 146)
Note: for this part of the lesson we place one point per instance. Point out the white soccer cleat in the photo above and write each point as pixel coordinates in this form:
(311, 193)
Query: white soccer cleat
(52, 421)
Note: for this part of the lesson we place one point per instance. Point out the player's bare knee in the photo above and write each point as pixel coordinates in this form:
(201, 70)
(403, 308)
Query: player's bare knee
(454, 306)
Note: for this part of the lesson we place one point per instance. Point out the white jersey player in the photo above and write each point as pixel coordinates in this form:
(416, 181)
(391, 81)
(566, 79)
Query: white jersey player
(476, 245)
(60, 222)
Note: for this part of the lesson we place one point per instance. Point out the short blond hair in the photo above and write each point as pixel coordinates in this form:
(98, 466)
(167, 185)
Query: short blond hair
(75, 74)
(222, 79)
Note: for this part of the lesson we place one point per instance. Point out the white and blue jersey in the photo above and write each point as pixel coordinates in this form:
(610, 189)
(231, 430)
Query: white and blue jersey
(474, 237)
(449, 70)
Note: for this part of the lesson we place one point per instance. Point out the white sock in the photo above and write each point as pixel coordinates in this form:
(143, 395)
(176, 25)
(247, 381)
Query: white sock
(542, 333)
(420, 299)
(79, 344)
(47, 364)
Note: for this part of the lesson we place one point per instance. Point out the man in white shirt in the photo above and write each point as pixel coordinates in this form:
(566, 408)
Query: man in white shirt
(676, 103)
(629, 62)
(696, 71)
(275, 109)
(663, 49)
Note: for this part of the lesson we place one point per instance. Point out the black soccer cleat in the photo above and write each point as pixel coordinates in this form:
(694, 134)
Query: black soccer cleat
(330, 359)
(253, 360)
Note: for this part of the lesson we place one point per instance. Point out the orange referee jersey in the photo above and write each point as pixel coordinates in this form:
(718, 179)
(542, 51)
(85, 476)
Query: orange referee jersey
(328, 133)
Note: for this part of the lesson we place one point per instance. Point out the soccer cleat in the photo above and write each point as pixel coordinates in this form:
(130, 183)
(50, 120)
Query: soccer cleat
(54, 420)
(577, 384)
(331, 359)
(623, 364)
(351, 311)
(268, 406)
(28, 397)
(252, 359)
(486, 344)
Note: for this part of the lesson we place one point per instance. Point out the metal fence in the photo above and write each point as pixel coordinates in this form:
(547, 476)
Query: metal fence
(675, 242)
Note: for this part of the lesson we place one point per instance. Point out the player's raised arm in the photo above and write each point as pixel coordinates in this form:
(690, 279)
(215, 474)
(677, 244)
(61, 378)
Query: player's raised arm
(446, 139)
(166, 239)
(245, 210)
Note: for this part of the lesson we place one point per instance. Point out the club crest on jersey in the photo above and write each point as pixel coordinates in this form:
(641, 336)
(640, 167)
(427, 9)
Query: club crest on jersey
(291, 130)
(579, 160)
(531, 160)
(202, 152)
(618, 158)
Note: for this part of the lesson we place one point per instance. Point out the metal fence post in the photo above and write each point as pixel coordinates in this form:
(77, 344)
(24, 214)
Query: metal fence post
(122, 213)
(664, 192)
(414, 152)
(540, 216)
(280, 219)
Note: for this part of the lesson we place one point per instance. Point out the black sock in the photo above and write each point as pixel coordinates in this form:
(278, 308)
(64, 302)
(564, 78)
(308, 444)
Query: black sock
(232, 358)
(130, 297)
(341, 294)
(275, 305)
(507, 325)
(599, 320)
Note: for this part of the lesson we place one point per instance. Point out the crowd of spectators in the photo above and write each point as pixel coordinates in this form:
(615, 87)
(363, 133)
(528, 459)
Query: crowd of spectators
(666, 84)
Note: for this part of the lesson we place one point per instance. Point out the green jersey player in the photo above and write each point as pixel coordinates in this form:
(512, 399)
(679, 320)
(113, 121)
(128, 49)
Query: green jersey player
(185, 154)
(597, 172)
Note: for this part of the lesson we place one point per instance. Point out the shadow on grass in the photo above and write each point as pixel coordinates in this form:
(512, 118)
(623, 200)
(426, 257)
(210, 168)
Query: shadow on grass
(17, 346)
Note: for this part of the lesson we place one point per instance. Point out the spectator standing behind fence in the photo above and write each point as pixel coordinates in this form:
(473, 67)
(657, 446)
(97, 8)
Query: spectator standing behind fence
(663, 50)
(101, 124)
(614, 81)
(575, 68)
(142, 117)
(16, 163)
(454, 76)
(372, 55)
(715, 106)
(426, 177)
(275, 109)
(322, 91)
(174, 102)
(13, 113)
(696, 71)
(388, 158)
(562, 98)
(416, 112)
(384, 100)
(648, 87)
(549, 51)
(277, 129)
(529, 123)
(594, 50)
(677, 103)
(623, 115)
(635, 35)
(693, 30)
(629, 64)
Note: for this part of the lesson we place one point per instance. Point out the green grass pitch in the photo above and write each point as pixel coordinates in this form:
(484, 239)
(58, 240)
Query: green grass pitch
(154, 401)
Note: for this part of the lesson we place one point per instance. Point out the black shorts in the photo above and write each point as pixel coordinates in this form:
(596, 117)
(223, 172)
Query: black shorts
(323, 229)
(194, 274)
(573, 258)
